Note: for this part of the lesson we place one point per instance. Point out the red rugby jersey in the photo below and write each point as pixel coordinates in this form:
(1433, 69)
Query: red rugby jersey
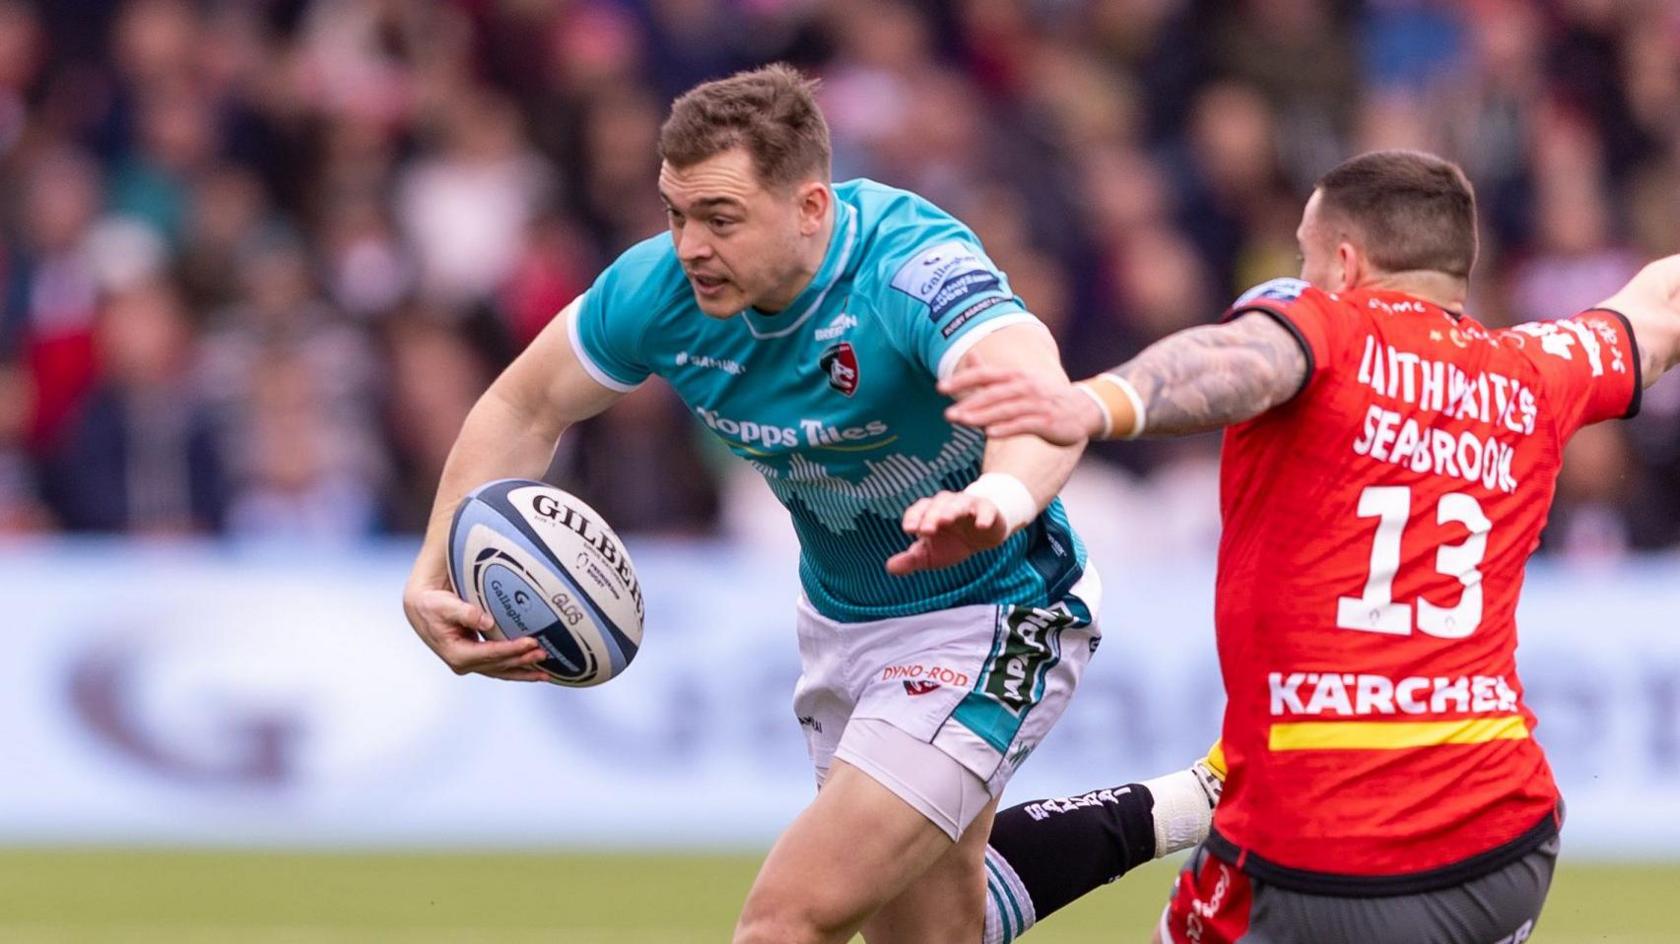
(1375, 533)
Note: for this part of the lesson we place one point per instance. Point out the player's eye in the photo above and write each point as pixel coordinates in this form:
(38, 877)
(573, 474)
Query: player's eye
(722, 224)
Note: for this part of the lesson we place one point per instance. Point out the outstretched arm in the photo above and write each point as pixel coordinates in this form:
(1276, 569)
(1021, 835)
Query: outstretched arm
(1651, 303)
(1020, 473)
(1212, 376)
(1194, 380)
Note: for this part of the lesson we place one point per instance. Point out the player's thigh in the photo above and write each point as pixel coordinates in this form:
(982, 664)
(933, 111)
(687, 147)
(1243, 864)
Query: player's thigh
(855, 848)
(947, 901)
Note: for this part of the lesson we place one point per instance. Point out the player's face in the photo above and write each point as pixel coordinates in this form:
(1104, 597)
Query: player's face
(741, 243)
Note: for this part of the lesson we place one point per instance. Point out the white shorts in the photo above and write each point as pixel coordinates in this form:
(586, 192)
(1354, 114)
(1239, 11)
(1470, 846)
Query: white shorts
(981, 684)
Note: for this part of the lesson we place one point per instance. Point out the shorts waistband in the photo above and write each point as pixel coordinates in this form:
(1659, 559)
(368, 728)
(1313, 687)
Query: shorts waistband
(1382, 886)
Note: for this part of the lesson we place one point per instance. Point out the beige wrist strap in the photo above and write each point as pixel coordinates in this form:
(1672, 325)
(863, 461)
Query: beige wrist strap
(1122, 408)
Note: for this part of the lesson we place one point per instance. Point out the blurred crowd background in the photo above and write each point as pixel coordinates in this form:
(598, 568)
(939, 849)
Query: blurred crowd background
(259, 257)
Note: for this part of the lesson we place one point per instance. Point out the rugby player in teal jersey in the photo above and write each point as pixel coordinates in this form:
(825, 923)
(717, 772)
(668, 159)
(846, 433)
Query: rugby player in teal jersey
(947, 607)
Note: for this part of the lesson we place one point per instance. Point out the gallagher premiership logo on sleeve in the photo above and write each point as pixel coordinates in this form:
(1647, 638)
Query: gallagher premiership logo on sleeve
(942, 276)
(1277, 290)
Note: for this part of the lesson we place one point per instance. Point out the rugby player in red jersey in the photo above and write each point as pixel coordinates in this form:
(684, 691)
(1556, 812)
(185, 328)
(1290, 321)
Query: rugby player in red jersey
(1387, 468)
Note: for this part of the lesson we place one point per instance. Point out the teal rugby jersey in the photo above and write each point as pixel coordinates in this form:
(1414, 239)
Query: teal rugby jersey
(833, 399)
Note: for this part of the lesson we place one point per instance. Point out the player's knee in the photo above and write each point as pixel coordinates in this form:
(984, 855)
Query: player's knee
(965, 919)
(771, 931)
(770, 920)
(965, 890)
(948, 908)
(786, 929)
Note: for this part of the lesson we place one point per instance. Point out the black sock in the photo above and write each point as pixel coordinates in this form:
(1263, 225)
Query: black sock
(1062, 848)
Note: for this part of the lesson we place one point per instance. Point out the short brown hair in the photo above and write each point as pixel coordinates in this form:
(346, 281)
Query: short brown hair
(1414, 210)
(772, 112)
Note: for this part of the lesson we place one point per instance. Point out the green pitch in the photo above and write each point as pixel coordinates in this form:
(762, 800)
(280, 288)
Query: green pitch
(49, 897)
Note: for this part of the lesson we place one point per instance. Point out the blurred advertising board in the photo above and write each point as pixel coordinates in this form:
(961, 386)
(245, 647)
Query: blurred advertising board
(228, 695)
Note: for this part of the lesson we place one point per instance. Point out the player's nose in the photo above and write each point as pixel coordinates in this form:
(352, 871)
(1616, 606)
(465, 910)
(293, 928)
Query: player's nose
(692, 244)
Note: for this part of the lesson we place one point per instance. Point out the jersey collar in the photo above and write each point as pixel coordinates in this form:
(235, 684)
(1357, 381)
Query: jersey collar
(841, 247)
(1390, 296)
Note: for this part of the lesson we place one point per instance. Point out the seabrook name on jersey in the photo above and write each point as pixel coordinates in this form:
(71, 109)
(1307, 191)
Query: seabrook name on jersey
(1503, 405)
(1387, 437)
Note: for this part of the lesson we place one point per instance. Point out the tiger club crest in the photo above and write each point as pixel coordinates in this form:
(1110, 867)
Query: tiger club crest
(840, 363)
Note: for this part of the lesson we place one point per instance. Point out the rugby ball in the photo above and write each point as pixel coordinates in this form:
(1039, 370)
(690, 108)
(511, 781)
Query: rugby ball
(544, 564)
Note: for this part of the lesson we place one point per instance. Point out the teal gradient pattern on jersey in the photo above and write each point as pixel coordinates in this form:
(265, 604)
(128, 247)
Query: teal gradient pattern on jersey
(833, 400)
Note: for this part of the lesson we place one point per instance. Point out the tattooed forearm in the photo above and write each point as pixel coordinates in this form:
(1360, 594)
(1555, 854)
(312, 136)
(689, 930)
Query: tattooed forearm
(1208, 377)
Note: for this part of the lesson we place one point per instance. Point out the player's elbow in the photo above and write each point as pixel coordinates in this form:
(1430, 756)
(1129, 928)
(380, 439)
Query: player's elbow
(1659, 343)
(1656, 286)
(1651, 304)
(1664, 271)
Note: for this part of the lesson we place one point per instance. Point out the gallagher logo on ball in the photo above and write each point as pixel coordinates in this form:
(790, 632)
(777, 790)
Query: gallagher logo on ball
(840, 363)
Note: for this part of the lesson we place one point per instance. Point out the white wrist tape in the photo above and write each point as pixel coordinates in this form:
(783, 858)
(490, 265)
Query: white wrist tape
(1014, 501)
(1102, 407)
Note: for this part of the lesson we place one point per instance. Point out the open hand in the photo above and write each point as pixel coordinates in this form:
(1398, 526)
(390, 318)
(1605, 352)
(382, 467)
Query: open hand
(1009, 401)
(949, 528)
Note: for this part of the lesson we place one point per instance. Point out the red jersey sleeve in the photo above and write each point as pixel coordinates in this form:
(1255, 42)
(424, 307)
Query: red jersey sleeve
(1310, 315)
(1588, 366)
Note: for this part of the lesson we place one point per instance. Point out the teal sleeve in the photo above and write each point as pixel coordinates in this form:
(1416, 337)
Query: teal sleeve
(609, 324)
(944, 294)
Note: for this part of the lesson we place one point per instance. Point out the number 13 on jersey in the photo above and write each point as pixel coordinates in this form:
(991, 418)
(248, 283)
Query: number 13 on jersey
(1375, 610)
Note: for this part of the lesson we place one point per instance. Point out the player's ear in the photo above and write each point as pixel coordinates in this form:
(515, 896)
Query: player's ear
(1350, 267)
(813, 199)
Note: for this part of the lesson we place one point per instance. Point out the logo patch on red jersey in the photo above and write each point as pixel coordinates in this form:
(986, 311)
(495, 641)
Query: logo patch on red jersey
(841, 364)
(1277, 290)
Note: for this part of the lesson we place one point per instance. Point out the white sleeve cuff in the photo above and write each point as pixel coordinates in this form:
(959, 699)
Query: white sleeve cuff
(954, 354)
(571, 313)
